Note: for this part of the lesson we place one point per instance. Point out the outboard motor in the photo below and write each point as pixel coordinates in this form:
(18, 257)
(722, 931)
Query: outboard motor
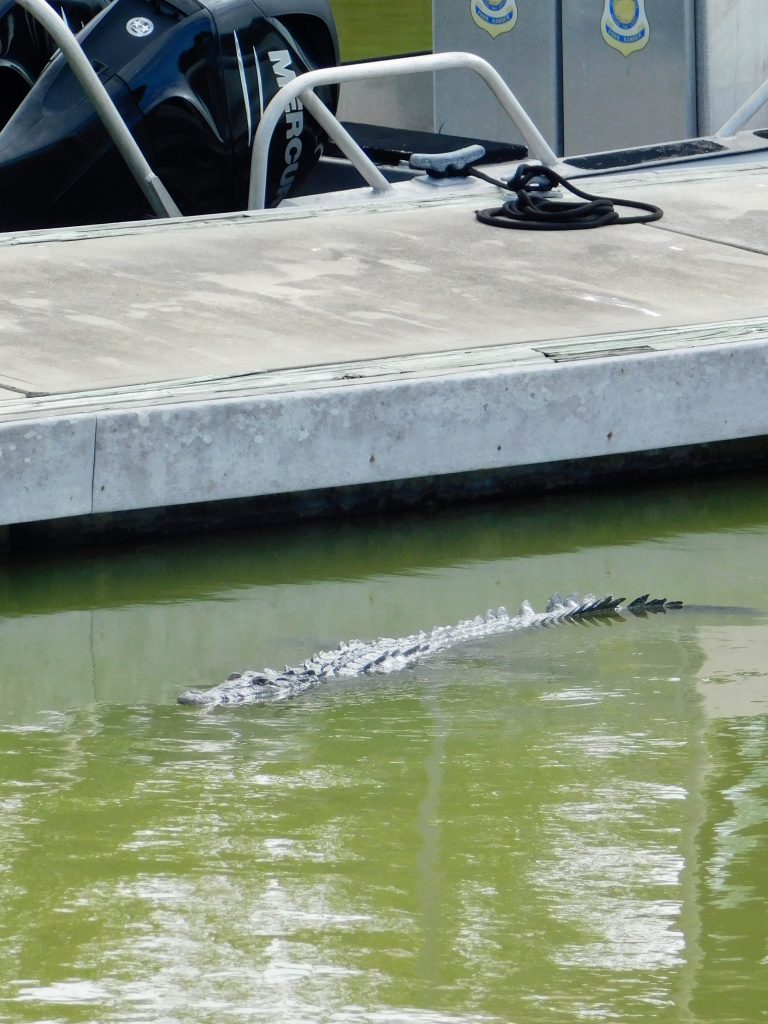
(191, 79)
(25, 47)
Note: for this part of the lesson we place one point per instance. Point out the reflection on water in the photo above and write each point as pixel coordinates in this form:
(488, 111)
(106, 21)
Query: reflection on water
(561, 826)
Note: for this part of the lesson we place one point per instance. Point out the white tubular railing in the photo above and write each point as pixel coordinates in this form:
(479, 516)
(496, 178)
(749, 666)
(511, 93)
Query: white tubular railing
(303, 85)
(154, 190)
(746, 111)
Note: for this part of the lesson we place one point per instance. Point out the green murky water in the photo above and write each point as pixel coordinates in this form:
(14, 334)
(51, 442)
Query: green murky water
(567, 825)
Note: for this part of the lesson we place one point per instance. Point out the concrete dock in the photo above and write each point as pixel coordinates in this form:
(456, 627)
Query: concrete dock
(180, 365)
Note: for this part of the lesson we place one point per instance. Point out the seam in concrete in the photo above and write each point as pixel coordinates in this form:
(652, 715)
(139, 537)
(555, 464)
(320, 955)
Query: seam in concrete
(5, 386)
(708, 238)
(93, 460)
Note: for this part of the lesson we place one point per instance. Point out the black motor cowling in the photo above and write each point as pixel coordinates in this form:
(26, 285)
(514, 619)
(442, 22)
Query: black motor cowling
(191, 79)
(25, 47)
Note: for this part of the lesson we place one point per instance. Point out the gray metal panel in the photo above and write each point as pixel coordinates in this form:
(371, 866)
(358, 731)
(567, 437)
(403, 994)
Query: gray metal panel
(527, 57)
(405, 102)
(612, 101)
(732, 41)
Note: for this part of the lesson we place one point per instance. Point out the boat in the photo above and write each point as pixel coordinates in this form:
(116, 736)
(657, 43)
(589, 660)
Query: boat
(187, 80)
(300, 317)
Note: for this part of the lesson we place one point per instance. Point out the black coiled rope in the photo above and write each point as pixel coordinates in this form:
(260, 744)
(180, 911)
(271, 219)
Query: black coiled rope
(531, 210)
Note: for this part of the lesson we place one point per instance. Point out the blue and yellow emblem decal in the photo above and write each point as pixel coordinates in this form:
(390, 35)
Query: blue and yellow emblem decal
(495, 16)
(625, 26)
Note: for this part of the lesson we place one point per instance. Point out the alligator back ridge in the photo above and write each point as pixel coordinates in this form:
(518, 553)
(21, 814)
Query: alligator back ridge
(387, 654)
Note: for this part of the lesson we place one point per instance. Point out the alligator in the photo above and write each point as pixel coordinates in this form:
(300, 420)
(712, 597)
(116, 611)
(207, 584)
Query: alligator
(356, 658)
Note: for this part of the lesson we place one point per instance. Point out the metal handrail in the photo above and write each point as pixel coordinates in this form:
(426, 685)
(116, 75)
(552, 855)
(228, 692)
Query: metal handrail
(156, 193)
(746, 111)
(303, 85)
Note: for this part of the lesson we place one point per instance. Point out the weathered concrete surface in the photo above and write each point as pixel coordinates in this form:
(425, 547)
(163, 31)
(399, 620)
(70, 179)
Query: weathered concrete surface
(170, 364)
(46, 468)
(368, 433)
(224, 298)
(731, 211)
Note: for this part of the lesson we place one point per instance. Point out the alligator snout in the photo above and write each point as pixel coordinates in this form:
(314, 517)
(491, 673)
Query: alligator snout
(194, 697)
(236, 689)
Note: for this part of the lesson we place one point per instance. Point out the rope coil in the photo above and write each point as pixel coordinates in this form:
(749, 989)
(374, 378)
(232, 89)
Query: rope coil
(531, 210)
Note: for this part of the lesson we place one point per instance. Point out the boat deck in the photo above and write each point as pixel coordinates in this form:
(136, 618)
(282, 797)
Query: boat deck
(167, 364)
